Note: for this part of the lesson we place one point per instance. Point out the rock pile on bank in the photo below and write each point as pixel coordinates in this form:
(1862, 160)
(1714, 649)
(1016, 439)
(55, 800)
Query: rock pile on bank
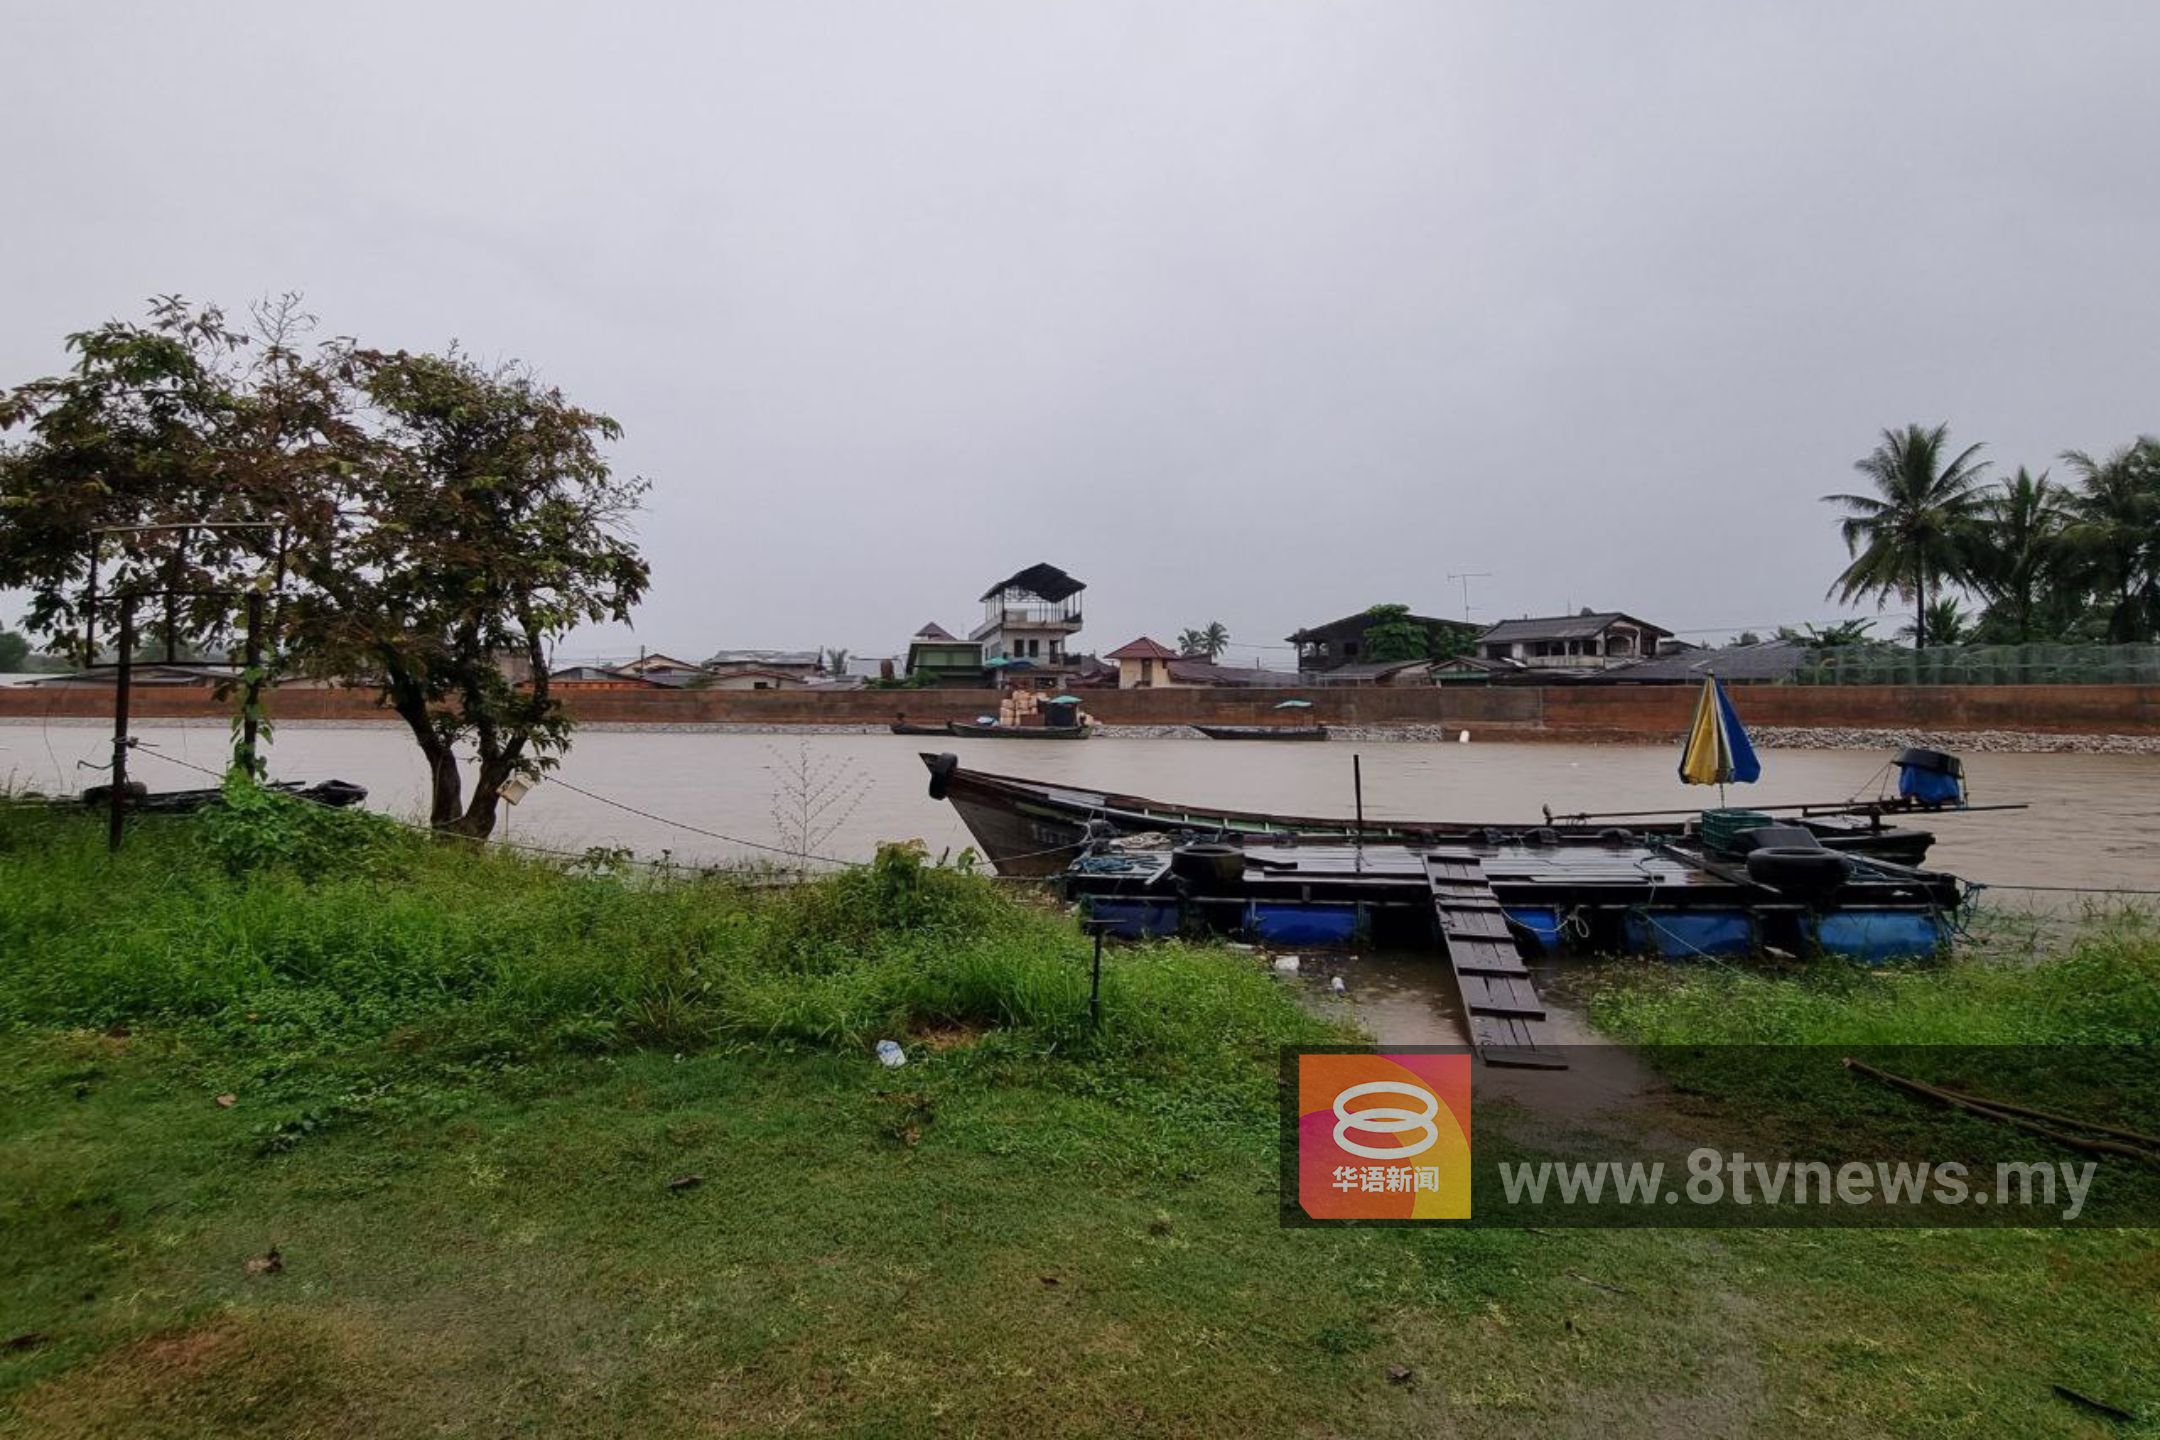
(1957, 742)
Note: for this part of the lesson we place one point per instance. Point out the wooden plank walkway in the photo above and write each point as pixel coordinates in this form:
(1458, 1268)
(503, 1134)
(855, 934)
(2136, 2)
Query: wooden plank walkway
(1501, 1008)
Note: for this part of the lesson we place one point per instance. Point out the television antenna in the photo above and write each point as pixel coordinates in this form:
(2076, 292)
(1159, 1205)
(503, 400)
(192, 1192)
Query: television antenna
(1466, 576)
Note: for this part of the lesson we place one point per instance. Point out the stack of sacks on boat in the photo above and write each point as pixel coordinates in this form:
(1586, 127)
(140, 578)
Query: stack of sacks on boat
(1024, 707)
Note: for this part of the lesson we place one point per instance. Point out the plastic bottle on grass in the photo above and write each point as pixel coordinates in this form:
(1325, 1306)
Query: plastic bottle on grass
(890, 1054)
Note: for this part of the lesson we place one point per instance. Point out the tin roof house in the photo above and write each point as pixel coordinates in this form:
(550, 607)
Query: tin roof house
(1343, 642)
(937, 657)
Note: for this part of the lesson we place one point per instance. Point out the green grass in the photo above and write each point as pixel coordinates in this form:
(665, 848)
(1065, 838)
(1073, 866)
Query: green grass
(2102, 989)
(463, 1083)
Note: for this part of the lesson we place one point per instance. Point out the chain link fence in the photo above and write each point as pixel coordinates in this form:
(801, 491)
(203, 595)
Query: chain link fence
(1984, 665)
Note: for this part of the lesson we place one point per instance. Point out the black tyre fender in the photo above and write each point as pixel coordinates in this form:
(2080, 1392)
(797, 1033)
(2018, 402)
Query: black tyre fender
(941, 773)
(336, 793)
(136, 792)
(1798, 869)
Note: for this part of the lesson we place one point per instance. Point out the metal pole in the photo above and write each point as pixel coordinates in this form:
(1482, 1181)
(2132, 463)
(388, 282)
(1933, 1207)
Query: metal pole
(1097, 928)
(1095, 986)
(122, 676)
(1357, 784)
(90, 609)
(251, 693)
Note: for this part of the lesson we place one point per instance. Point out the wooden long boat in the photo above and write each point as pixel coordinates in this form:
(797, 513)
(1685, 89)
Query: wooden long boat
(332, 794)
(1031, 827)
(1263, 732)
(902, 727)
(1019, 732)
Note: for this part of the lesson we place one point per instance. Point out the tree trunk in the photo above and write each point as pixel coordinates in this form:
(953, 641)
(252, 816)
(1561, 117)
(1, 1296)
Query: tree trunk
(1919, 628)
(446, 787)
(478, 820)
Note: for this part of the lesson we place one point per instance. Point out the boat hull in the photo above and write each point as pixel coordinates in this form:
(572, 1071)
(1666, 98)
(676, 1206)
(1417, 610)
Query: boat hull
(1019, 732)
(1263, 732)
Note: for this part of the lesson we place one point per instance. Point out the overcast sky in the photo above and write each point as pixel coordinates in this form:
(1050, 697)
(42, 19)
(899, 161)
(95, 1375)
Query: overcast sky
(1239, 310)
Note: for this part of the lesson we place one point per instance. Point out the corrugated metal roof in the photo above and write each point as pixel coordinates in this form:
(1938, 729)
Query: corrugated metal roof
(1768, 660)
(1561, 627)
(1202, 672)
(1374, 670)
(1045, 580)
(811, 658)
(931, 630)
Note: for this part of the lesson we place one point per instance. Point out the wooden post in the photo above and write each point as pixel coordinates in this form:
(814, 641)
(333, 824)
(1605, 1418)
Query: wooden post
(117, 817)
(251, 691)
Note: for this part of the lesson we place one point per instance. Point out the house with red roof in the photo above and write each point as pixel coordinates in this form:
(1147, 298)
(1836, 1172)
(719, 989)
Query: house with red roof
(1143, 664)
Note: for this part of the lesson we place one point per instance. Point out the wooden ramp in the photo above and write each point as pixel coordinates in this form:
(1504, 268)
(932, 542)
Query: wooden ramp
(1501, 1008)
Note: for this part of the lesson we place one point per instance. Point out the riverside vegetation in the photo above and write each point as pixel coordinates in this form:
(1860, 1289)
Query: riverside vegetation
(313, 1125)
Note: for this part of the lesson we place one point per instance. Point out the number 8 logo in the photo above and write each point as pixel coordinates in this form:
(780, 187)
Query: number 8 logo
(1387, 1119)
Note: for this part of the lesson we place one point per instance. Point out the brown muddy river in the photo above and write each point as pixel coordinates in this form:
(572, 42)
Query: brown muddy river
(2094, 819)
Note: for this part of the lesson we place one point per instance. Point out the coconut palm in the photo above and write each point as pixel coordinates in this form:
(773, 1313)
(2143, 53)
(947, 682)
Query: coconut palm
(2113, 535)
(1947, 623)
(2014, 553)
(1907, 535)
(1209, 641)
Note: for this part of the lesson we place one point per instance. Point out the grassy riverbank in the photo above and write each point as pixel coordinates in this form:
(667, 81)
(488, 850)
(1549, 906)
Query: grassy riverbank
(468, 1095)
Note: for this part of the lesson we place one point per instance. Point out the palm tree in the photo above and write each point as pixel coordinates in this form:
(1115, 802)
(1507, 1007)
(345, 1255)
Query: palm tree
(2014, 553)
(1843, 635)
(1210, 641)
(1946, 622)
(1906, 535)
(2114, 534)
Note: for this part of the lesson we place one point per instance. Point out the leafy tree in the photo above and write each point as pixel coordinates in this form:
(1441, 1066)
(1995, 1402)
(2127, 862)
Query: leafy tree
(479, 523)
(2014, 555)
(1393, 635)
(836, 661)
(14, 652)
(1909, 534)
(135, 434)
(443, 522)
(1747, 637)
(2113, 535)
(1207, 642)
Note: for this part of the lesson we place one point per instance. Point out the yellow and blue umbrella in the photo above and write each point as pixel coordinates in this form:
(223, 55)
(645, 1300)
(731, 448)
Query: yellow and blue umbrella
(1718, 751)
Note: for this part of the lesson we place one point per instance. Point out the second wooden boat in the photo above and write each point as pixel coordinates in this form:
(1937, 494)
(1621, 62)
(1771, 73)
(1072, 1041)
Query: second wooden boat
(1019, 732)
(1263, 732)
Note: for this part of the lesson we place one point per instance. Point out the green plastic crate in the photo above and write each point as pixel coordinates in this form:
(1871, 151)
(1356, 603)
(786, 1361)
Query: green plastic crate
(1719, 827)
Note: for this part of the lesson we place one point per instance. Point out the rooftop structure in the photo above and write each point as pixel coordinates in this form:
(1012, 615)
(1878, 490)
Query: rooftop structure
(1588, 640)
(1030, 616)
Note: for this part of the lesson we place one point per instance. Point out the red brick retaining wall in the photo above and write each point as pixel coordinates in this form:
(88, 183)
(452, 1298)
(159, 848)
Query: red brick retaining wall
(1561, 712)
